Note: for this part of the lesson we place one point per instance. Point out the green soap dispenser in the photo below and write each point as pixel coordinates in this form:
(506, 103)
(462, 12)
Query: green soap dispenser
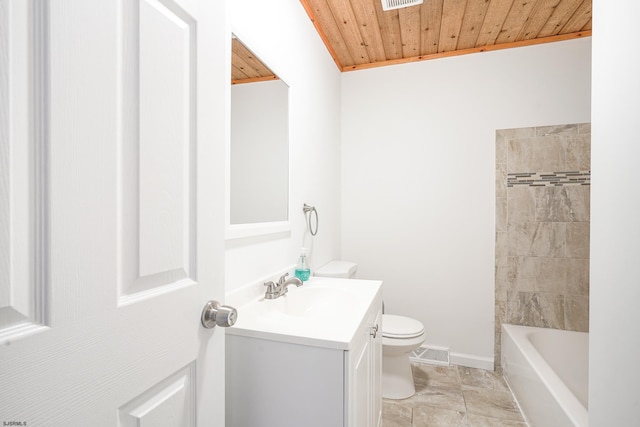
(302, 268)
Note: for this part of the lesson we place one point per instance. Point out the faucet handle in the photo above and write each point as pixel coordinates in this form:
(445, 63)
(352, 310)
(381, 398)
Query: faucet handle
(271, 287)
(283, 278)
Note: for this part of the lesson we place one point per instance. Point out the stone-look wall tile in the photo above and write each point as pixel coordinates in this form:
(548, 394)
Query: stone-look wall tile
(500, 314)
(578, 240)
(539, 154)
(557, 130)
(501, 180)
(500, 317)
(521, 273)
(501, 147)
(518, 133)
(501, 247)
(520, 153)
(585, 128)
(501, 214)
(535, 309)
(502, 282)
(550, 274)
(577, 277)
(555, 153)
(576, 313)
(542, 239)
(569, 203)
(579, 152)
(521, 204)
(497, 347)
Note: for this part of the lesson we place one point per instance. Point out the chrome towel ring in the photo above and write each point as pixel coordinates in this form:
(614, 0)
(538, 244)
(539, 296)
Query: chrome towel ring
(307, 209)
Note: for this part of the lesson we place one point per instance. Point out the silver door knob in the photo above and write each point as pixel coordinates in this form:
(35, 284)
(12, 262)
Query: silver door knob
(215, 314)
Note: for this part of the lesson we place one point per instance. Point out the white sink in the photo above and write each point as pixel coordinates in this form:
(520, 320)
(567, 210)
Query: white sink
(323, 311)
(308, 302)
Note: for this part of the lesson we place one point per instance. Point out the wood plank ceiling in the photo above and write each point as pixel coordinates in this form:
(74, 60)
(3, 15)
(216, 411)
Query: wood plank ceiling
(358, 34)
(247, 67)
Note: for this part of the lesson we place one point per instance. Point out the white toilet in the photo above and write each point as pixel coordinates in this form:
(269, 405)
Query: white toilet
(400, 336)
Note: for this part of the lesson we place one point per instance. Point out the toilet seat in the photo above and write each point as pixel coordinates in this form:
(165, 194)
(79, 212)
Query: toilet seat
(401, 327)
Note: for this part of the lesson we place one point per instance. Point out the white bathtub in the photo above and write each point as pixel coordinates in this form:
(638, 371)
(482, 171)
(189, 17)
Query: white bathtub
(547, 370)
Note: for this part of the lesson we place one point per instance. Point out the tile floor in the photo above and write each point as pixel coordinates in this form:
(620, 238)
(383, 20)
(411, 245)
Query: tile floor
(454, 396)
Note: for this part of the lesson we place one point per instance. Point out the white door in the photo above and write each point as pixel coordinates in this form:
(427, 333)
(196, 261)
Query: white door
(112, 127)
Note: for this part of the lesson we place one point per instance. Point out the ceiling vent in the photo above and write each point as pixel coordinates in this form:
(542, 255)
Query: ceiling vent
(399, 4)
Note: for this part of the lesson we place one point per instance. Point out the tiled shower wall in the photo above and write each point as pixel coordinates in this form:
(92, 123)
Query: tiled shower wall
(542, 227)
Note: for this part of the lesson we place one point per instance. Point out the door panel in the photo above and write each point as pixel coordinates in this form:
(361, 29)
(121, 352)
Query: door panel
(111, 211)
(171, 403)
(158, 149)
(21, 179)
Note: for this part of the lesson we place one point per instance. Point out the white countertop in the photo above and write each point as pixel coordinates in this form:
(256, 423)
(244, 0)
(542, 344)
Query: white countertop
(323, 312)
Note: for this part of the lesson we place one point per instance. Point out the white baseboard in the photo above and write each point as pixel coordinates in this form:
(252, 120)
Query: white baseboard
(471, 361)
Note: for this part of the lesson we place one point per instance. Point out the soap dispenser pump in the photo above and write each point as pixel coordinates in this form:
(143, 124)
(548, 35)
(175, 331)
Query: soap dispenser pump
(302, 268)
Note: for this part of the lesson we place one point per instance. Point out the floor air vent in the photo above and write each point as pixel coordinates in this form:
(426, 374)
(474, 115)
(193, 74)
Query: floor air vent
(433, 356)
(398, 4)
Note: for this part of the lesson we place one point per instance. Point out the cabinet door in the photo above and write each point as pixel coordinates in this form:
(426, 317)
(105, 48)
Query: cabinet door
(360, 394)
(376, 371)
(365, 404)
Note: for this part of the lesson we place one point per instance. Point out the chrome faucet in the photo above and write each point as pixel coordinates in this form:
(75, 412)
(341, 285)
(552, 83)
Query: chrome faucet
(275, 290)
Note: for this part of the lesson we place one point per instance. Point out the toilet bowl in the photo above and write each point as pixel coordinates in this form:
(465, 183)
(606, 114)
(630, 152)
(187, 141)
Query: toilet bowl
(400, 336)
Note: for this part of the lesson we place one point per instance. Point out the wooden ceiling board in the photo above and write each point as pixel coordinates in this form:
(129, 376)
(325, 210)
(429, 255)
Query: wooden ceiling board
(326, 26)
(359, 34)
(493, 21)
(389, 24)
(349, 29)
(559, 17)
(472, 23)
(452, 15)
(515, 21)
(579, 19)
(430, 17)
(367, 19)
(539, 17)
(409, 19)
(246, 67)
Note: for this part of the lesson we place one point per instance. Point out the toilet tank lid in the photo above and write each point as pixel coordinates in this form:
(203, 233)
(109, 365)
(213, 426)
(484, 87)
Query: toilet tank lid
(337, 269)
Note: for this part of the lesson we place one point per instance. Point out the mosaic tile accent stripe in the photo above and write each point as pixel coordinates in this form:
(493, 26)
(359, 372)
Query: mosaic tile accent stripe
(549, 179)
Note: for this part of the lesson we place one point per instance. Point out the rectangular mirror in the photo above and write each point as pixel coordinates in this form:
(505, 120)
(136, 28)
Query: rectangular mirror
(259, 147)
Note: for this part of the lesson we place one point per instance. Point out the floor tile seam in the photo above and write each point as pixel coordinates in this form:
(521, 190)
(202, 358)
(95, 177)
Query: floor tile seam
(437, 387)
(471, 387)
(415, 398)
(500, 407)
(481, 414)
(423, 405)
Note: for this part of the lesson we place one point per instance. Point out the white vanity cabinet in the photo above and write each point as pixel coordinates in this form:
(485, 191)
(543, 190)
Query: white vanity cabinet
(364, 360)
(284, 380)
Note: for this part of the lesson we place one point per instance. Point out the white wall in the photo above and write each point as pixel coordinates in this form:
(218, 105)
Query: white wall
(614, 348)
(282, 35)
(419, 176)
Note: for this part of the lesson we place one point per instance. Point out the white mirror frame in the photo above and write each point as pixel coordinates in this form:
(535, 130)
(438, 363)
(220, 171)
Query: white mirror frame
(239, 231)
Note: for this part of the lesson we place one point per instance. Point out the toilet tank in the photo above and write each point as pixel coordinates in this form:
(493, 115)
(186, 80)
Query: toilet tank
(337, 269)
